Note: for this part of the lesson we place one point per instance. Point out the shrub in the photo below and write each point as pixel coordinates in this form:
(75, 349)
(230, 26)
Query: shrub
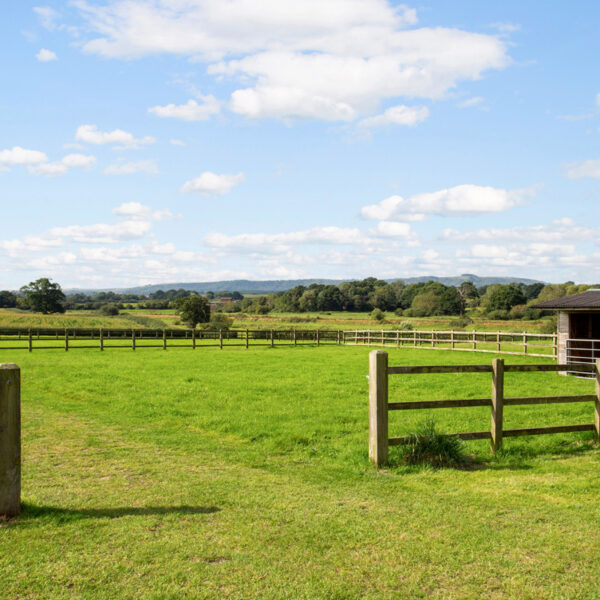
(218, 322)
(460, 323)
(406, 326)
(109, 310)
(377, 314)
(428, 447)
(549, 325)
(498, 315)
(517, 312)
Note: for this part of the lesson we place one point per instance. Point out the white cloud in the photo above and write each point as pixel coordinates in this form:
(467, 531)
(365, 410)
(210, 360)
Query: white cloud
(557, 231)
(335, 60)
(397, 115)
(90, 134)
(471, 102)
(583, 169)
(21, 156)
(598, 99)
(393, 229)
(137, 210)
(191, 111)
(128, 168)
(462, 200)
(175, 142)
(45, 55)
(211, 183)
(52, 169)
(47, 15)
(103, 233)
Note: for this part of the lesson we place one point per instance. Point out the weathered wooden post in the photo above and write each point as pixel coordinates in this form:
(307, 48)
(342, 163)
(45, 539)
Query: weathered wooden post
(164, 339)
(10, 440)
(318, 338)
(246, 339)
(524, 343)
(133, 339)
(597, 403)
(378, 407)
(474, 340)
(497, 341)
(101, 340)
(221, 339)
(29, 340)
(66, 340)
(194, 338)
(497, 403)
(452, 340)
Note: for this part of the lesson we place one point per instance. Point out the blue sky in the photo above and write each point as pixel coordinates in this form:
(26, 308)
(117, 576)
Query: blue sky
(197, 140)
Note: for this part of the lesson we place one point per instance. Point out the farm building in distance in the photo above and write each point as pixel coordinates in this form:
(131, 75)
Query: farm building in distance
(578, 326)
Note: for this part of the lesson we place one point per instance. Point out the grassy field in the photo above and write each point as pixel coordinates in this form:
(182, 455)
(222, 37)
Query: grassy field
(334, 320)
(244, 474)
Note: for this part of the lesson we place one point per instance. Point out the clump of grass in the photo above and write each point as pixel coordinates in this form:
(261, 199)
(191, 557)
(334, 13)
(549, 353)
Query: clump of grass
(429, 447)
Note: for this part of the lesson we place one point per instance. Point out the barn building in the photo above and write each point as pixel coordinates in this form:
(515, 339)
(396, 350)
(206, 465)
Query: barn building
(578, 326)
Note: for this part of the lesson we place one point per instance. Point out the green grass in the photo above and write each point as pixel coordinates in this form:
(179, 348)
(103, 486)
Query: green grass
(244, 474)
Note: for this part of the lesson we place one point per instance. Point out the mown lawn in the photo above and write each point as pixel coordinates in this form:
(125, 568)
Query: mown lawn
(244, 474)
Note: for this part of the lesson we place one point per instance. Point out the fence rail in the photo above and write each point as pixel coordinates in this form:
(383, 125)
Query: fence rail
(543, 344)
(379, 407)
(76, 338)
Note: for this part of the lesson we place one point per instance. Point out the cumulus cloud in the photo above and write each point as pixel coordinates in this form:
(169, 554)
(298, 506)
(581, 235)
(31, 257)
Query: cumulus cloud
(397, 115)
(137, 210)
(211, 183)
(335, 60)
(48, 16)
(583, 169)
(90, 134)
(70, 161)
(190, 111)
(462, 200)
(21, 156)
(45, 55)
(176, 142)
(471, 102)
(128, 168)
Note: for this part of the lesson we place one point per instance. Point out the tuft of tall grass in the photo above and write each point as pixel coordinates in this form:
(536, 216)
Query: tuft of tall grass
(429, 447)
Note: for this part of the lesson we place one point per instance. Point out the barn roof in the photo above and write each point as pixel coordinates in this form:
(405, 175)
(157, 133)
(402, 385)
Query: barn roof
(587, 299)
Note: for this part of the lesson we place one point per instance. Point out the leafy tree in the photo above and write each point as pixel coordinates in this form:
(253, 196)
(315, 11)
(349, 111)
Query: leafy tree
(503, 297)
(44, 296)
(377, 314)
(109, 310)
(468, 295)
(193, 310)
(7, 299)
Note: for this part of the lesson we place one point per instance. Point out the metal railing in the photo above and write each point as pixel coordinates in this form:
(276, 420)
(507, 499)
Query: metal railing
(582, 352)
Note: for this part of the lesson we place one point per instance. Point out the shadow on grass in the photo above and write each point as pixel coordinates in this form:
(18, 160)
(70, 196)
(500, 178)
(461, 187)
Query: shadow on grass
(31, 512)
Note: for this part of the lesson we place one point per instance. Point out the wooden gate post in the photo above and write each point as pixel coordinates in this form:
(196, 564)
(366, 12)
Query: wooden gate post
(10, 440)
(378, 407)
(497, 403)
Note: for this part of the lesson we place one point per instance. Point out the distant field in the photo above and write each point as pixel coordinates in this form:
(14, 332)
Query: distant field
(324, 320)
(244, 474)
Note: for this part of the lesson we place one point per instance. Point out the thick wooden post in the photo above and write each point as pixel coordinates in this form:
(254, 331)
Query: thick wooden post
(474, 341)
(338, 336)
(597, 403)
(433, 339)
(221, 339)
(498, 341)
(271, 338)
(318, 338)
(193, 339)
(29, 341)
(415, 338)
(164, 339)
(246, 339)
(133, 339)
(10, 440)
(101, 340)
(524, 343)
(452, 340)
(497, 403)
(66, 340)
(378, 407)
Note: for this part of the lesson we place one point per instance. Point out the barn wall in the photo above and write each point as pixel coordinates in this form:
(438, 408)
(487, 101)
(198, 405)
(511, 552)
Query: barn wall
(563, 335)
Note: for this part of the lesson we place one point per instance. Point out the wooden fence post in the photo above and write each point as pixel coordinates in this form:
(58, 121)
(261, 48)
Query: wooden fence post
(30, 341)
(66, 340)
(497, 403)
(10, 440)
(415, 338)
(474, 340)
(133, 339)
(452, 340)
(246, 339)
(164, 339)
(318, 338)
(497, 341)
(221, 339)
(597, 402)
(378, 407)
(524, 343)
(101, 340)
(194, 338)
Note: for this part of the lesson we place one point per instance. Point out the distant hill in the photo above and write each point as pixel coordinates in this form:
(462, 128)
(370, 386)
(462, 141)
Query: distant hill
(246, 286)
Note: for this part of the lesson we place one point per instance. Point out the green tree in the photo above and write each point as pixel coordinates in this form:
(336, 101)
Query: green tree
(44, 296)
(468, 295)
(7, 299)
(503, 297)
(193, 310)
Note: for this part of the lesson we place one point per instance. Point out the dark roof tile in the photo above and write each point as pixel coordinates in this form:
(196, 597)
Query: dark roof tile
(589, 299)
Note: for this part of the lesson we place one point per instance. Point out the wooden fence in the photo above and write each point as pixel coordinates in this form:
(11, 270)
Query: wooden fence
(76, 338)
(531, 344)
(379, 406)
